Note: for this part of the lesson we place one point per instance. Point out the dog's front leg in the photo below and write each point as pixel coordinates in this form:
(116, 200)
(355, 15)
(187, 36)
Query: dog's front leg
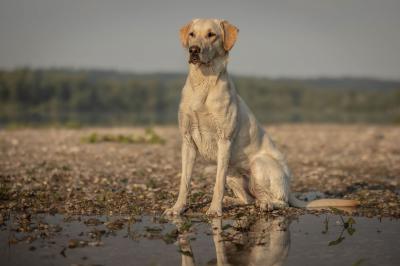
(188, 159)
(224, 152)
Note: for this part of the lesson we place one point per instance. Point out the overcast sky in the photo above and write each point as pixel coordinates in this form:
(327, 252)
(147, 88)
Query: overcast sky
(305, 38)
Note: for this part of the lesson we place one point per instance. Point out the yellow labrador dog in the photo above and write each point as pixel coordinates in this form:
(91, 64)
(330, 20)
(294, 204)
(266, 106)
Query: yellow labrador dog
(216, 123)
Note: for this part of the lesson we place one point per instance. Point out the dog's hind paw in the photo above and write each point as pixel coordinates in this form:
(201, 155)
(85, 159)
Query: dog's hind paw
(265, 206)
(279, 204)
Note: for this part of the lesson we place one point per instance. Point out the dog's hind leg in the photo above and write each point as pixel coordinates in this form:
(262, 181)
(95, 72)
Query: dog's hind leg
(269, 183)
(240, 187)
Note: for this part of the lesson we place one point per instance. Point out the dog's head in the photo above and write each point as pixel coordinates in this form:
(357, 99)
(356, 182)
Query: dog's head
(207, 39)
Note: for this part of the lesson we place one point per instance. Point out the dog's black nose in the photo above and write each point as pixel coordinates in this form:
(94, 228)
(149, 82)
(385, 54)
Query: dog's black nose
(194, 49)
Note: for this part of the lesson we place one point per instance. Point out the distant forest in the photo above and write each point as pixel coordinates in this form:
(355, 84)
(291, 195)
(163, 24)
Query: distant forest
(93, 97)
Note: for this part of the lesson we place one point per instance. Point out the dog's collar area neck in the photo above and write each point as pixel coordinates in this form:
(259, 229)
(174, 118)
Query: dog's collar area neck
(208, 76)
(213, 68)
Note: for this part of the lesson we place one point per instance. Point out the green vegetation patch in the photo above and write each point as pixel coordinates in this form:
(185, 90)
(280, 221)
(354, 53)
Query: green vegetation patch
(149, 137)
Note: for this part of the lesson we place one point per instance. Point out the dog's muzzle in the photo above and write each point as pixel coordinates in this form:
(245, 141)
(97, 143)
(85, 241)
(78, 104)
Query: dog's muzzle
(194, 52)
(194, 59)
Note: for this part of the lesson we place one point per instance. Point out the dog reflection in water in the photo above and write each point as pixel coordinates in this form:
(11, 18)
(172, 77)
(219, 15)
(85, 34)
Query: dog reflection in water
(247, 242)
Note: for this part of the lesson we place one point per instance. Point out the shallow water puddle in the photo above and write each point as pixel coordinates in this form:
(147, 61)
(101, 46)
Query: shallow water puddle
(306, 240)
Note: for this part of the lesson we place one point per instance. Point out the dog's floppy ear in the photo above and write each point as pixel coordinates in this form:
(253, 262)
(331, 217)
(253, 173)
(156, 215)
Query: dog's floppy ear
(184, 34)
(230, 35)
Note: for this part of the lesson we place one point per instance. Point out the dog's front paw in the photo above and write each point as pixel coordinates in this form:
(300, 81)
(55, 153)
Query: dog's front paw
(174, 211)
(214, 211)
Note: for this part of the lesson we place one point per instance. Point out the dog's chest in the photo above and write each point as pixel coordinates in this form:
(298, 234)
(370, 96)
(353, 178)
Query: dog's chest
(204, 133)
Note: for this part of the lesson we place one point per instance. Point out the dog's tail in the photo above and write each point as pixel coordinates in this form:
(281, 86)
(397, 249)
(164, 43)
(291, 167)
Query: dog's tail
(295, 202)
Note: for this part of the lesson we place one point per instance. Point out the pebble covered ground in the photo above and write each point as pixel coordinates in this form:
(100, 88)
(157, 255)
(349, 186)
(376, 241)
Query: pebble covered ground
(128, 171)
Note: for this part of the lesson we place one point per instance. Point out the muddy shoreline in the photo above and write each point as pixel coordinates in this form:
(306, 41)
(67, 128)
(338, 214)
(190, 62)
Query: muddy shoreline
(57, 171)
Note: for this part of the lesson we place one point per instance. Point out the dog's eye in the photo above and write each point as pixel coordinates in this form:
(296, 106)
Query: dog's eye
(210, 34)
(191, 34)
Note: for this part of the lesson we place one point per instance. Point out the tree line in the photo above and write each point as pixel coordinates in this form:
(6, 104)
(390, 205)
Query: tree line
(95, 97)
